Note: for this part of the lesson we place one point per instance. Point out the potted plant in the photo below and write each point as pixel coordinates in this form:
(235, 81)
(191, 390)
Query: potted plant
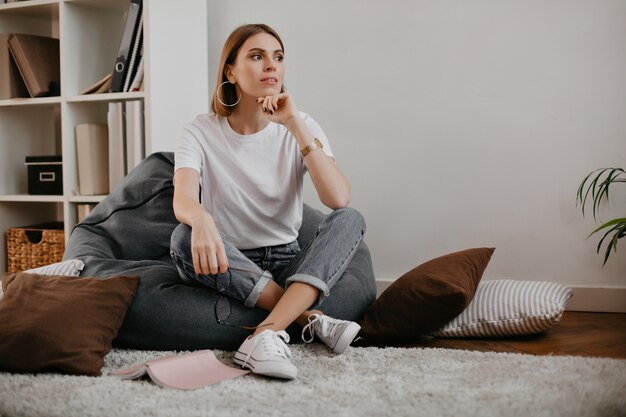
(595, 187)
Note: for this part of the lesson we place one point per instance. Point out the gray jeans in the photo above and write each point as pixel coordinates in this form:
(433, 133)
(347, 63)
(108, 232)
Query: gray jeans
(320, 263)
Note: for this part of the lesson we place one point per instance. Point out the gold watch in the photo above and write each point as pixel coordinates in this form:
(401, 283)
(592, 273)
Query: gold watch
(310, 147)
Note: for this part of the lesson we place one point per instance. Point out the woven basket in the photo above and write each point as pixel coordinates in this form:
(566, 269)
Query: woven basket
(34, 246)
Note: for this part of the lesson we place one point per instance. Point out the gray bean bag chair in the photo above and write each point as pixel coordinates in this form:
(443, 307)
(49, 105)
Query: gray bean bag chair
(128, 233)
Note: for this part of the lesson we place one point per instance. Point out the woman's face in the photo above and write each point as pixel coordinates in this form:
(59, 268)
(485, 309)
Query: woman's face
(258, 69)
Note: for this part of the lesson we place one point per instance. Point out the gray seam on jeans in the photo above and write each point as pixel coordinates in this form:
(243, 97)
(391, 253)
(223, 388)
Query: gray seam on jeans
(181, 260)
(294, 261)
(348, 256)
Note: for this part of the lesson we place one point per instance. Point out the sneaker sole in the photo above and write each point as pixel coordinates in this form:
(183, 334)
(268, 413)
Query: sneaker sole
(346, 337)
(273, 369)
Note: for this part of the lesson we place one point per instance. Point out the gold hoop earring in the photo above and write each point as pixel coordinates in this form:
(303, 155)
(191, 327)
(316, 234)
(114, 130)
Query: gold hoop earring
(220, 100)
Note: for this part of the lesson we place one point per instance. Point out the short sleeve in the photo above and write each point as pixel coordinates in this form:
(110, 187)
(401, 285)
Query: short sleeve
(318, 133)
(187, 152)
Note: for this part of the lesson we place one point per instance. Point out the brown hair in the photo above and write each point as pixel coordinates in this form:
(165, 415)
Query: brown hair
(229, 53)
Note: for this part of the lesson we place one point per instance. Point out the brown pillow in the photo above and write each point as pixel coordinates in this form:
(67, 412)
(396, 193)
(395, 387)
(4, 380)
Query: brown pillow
(425, 298)
(61, 323)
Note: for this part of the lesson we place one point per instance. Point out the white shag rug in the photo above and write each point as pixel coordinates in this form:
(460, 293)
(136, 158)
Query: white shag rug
(360, 382)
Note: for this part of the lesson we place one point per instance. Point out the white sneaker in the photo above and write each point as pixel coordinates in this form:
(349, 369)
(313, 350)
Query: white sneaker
(336, 334)
(267, 354)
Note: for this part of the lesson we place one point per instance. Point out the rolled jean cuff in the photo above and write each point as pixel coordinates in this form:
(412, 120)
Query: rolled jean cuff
(257, 290)
(314, 282)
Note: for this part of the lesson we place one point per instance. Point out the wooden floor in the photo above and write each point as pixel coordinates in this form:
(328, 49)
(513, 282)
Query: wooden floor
(577, 334)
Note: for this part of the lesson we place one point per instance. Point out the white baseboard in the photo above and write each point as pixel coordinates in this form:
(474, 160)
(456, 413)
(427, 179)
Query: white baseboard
(598, 299)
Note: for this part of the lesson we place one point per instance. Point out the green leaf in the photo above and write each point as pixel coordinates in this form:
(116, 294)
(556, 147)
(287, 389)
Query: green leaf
(589, 188)
(618, 230)
(579, 195)
(594, 191)
(597, 187)
(608, 224)
(612, 244)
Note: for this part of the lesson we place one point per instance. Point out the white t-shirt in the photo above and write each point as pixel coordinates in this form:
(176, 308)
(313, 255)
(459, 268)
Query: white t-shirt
(251, 184)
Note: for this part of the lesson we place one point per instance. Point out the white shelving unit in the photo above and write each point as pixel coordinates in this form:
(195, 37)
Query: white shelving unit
(89, 32)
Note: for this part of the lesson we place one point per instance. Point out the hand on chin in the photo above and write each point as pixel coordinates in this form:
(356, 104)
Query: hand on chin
(277, 108)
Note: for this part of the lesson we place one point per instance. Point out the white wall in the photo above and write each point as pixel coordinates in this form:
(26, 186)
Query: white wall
(177, 79)
(462, 123)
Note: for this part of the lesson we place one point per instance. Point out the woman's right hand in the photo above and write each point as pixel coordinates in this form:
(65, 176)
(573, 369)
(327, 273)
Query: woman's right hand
(207, 248)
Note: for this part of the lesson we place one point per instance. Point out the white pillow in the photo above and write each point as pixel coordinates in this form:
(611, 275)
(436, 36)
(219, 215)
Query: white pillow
(509, 308)
(71, 267)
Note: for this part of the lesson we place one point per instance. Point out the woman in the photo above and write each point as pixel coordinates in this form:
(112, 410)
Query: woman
(238, 182)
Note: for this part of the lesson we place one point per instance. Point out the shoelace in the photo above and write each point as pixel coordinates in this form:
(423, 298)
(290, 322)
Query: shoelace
(271, 342)
(325, 327)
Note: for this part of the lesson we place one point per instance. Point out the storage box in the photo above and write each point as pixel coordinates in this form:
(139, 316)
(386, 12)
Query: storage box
(34, 246)
(45, 175)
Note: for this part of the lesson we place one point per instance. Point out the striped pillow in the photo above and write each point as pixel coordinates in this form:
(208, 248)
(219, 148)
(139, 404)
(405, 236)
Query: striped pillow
(509, 308)
(71, 267)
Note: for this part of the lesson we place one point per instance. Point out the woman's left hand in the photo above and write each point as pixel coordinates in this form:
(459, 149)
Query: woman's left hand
(278, 108)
